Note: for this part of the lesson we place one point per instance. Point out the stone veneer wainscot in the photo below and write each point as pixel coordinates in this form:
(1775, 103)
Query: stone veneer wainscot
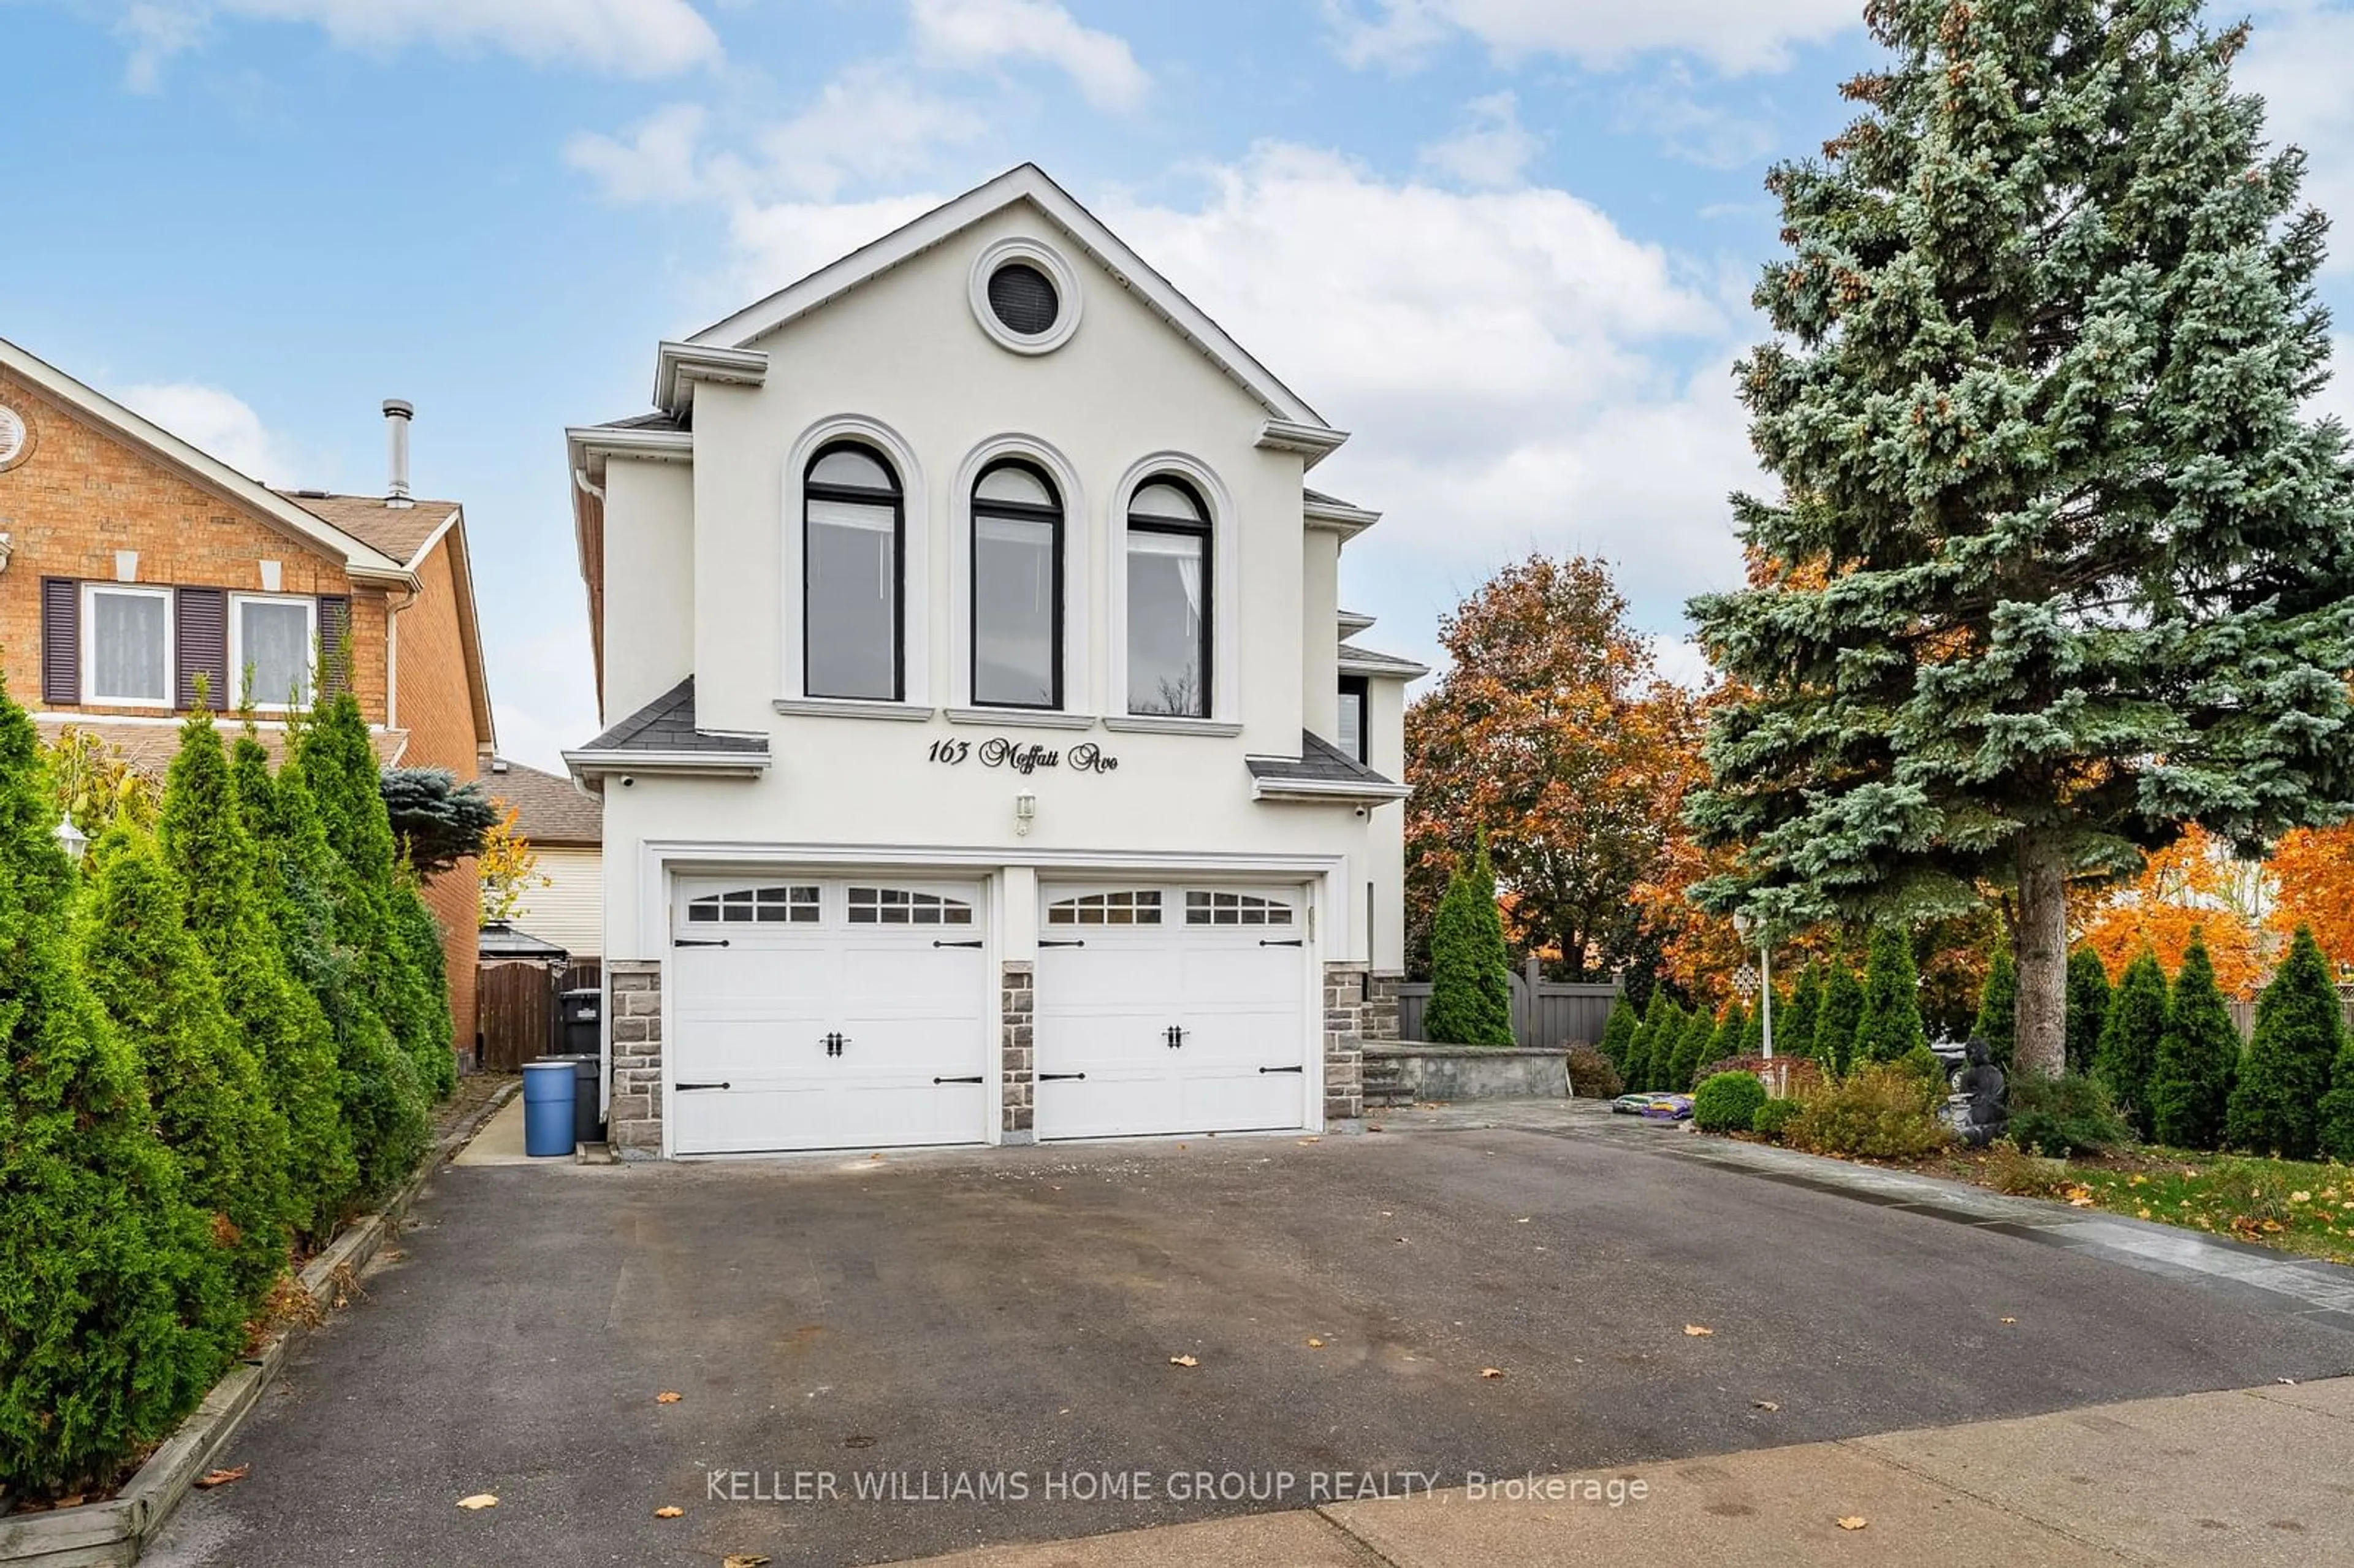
(634, 1009)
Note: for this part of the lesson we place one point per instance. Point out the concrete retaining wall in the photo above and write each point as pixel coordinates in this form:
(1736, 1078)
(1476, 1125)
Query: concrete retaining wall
(1475, 1072)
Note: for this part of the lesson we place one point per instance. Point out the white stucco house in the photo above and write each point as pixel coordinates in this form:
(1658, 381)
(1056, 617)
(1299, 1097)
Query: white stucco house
(985, 760)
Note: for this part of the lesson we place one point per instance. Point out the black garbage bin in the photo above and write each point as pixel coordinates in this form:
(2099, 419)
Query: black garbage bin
(581, 1012)
(587, 1126)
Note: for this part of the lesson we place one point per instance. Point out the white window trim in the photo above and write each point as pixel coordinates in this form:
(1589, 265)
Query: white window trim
(1225, 600)
(237, 603)
(915, 543)
(1079, 687)
(90, 695)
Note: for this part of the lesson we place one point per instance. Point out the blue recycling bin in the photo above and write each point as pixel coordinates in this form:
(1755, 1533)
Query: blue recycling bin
(547, 1092)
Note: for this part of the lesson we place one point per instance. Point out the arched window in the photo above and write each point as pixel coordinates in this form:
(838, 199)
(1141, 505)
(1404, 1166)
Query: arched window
(1017, 589)
(1168, 600)
(853, 588)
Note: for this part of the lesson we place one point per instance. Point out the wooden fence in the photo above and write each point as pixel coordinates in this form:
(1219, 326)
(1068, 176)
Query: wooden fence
(518, 1001)
(2243, 1013)
(1545, 1013)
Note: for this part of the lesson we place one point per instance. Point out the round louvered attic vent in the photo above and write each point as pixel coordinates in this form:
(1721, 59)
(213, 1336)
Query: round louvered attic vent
(1025, 296)
(1023, 299)
(14, 437)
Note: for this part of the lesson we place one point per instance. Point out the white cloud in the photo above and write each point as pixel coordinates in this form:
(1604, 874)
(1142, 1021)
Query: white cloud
(1692, 123)
(216, 422)
(1733, 35)
(2296, 58)
(623, 38)
(658, 163)
(973, 33)
(1492, 148)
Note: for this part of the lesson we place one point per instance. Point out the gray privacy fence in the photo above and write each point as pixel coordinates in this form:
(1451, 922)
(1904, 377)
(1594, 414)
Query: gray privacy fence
(1545, 1012)
(2243, 1013)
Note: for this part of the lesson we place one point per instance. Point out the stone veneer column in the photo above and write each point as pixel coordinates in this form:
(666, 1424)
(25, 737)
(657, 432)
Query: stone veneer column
(1016, 1059)
(1344, 1052)
(634, 993)
(1381, 1015)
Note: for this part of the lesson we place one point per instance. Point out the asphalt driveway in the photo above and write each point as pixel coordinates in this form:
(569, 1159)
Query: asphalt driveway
(987, 1336)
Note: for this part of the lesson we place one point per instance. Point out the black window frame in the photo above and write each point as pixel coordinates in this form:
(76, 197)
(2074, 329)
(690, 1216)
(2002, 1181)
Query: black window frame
(859, 496)
(1019, 512)
(1361, 688)
(1206, 531)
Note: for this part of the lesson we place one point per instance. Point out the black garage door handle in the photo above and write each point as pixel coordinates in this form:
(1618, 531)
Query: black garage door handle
(685, 1086)
(1045, 1076)
(698, 942)
(976, 1079)
(1046, 942)
(974, 943)
(1283, 1069)
(1271, 942)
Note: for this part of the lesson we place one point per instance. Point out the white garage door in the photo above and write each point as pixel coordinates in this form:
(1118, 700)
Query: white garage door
(1171, 1009)
(827, 1013)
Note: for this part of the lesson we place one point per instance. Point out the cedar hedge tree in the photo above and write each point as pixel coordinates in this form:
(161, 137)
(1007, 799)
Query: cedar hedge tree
(1690, 1052)
(2284, 1094)
(1753, 1026)
(2066, 560)
(1998, 1005)
(212, 1108)
(1470, 972)
(1619, 1034)
(208, 847)
(1655, 1041)
(1834, 1024)
(1726, 1040)
(102, 1258)
(2088, 1006)
(2198, 1058)
(2129, 1039)
(1794, 1027)
(1890, 1025)
(2336, 1117)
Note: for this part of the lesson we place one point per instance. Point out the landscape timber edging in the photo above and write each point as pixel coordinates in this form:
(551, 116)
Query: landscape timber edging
(111, 1534)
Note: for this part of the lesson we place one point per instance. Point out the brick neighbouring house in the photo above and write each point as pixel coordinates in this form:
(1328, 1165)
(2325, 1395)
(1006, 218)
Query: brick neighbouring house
(130, 562)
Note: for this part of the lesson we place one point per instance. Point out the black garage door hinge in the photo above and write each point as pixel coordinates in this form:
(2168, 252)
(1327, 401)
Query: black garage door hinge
(1046, 942)
(1042, 1077)
(684, 1087)
(1283, 1069)
(974, 943)
(1271, 942)
(976, 1079)
(697, 942)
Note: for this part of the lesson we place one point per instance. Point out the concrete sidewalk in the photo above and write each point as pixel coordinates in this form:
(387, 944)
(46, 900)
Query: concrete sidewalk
(2259, 1478)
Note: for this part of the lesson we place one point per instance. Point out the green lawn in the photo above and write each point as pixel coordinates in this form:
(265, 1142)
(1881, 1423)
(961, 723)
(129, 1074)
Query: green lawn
(2292, 1204)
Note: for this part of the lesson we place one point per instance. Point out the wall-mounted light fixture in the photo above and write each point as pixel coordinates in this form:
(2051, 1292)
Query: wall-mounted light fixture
(1025, 809)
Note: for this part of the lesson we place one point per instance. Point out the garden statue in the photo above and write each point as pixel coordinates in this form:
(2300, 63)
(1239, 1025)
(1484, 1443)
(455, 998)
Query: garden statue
(1978, 1109)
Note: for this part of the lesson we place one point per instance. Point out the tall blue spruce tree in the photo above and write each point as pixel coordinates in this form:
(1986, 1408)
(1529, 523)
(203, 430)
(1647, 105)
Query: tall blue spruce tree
(2060, 563)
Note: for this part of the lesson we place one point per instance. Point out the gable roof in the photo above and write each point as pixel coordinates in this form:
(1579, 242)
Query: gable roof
(360, 558)
(1027, 183)
(403, 532)
(549, 809)
(1322, 772)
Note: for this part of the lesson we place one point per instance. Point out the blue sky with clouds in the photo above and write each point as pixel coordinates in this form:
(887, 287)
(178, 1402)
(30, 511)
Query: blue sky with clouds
(1507, 242)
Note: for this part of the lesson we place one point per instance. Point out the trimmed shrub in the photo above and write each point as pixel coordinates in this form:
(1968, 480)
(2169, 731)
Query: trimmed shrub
(2023, 1173)
(2088, 1006)
(1794, 1025)
(2064, 1115)
(1998, 1019)
(428, 973)
(2130, 1037)
(1772, 1118)
(1470, 974)
(205, 840)
(1928, 1066)
(212, 1109)
(2282, 1096)
(1619, 1034)
(1891, 1022)
(1591, 1076)
(1727, 1102)
(1876, 1112)
(1690, 1050)
(2198, 1058)
(1662, 1021)
(102, 1255)
(1835, 1025)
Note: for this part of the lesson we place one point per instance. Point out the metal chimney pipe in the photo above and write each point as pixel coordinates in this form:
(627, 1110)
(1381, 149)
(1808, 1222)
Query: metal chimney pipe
(397, 415)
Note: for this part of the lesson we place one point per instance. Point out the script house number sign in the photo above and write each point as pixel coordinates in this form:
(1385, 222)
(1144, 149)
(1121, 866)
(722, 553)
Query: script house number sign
(1021, 758)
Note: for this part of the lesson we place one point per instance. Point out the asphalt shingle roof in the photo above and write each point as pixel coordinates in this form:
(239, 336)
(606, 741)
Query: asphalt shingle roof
(398, 530)
(1321, 762)
(667, 724)
(549, 809)
(1366, 657)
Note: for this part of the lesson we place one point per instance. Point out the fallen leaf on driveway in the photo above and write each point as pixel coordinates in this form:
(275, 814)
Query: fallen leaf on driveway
(744, 1560)
(1491, 1371)
(667, 1397)
(223, 1477)
(1184, 1360)
(2010, 1320)
(1695, 1331)
(479, 1499)
(671, 1511)
(1311, 1139)
(1315, 1344)
(2288, 1382)
(1764, 1405)
(1853, 1522)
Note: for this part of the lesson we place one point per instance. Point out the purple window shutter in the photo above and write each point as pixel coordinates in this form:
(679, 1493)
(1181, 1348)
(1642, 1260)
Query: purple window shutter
(200, 647)
(60, 641)
(335, 643)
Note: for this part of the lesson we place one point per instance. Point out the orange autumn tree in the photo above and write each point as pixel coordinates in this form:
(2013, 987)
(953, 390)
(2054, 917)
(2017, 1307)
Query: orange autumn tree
(2195, 886)
(2313, 878)
(1554, 730)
